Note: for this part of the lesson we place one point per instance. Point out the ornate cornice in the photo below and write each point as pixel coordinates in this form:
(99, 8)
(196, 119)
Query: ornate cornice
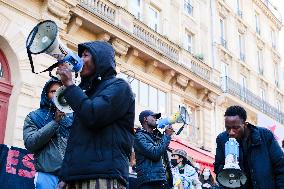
(242, 28)
(225, 55)
(120, 46)
(60, 9)
(182, 80)
(276, 56)
(268, 13)
(223, 9)
(259, 42)
(168, 75)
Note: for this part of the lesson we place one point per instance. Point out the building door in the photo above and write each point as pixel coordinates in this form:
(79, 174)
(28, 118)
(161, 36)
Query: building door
(5, 92)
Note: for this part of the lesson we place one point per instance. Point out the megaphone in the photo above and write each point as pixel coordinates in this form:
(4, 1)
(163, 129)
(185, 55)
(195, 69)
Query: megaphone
(182, 116)
(231, 176)
(44, 39)
(60, 101)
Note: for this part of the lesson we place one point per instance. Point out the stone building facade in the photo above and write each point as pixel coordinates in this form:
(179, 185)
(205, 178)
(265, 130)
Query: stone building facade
(172, 54)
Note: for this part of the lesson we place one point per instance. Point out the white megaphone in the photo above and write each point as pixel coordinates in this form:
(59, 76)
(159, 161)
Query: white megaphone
(44, 39)
(231, 176)
(182, 116)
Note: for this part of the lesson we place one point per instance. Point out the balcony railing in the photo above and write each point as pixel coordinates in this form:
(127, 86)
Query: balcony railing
(100, 8)
(232, 87)
(198, 68)
(111, 13)
(153, 39)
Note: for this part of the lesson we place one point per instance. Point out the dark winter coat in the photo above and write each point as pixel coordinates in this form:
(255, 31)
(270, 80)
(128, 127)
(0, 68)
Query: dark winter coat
(265, 158)
(44, 137)
(149, 157)
(102, 135)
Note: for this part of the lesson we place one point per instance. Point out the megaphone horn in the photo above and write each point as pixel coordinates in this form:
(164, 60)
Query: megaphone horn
(231, 176)
(44, 39)
(182, 116)
(60, 101)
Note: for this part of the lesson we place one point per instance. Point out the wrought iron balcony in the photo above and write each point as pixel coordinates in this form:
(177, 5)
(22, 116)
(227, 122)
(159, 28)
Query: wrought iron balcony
(232, 87)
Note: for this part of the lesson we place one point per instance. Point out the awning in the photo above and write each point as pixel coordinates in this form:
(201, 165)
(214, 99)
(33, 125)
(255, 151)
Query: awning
(204, 158)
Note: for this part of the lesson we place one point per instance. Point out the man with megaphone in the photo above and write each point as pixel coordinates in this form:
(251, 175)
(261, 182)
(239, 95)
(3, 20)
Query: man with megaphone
(150, 148)
(99, 148)
(45, 134)
(261, 160)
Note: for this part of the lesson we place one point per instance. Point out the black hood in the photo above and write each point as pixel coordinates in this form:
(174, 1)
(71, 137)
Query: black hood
(104, 58)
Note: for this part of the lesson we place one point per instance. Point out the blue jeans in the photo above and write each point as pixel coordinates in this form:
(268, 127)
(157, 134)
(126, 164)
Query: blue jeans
(45, 181)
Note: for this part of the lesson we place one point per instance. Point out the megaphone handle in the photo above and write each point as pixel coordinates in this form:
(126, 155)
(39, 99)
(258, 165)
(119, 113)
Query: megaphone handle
(180, 129)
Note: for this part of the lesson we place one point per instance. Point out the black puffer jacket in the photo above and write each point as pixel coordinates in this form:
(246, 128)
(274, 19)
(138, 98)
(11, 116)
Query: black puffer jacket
(265, 158)
(102, 136)
(149, 154)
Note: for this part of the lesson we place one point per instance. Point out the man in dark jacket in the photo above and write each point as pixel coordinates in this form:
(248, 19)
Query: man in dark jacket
(151, 151)
(260, 155)
(45, 135)
(98, 151)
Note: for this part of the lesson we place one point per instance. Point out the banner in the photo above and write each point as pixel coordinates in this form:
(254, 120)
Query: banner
(276, 128)
(17, 168)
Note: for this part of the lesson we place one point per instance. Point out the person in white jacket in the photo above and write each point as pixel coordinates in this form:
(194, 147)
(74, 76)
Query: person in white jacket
(185, 175)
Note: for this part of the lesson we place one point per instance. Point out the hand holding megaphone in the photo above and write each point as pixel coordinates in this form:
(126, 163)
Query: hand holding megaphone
(65, 73)
(58, 115)
(169, 130)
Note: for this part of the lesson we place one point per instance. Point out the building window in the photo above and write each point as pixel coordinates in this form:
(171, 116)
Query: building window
(239, 9)
(143, 94)
(242, 47)
(273, 39)
(223, 33)
(148, 96)
(136, 8)
(262, 94)
(135, 88)
(224, 69)
(278, 105)
(153, 99)
(162, 101)
(188, 7)
(1, 70)
(154, 15)
(259, 57)
(189, 42)
(257, 23)
(243, 81)
(276, 75)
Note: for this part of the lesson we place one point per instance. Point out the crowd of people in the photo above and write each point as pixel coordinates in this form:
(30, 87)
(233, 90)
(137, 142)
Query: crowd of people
(92, 147)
